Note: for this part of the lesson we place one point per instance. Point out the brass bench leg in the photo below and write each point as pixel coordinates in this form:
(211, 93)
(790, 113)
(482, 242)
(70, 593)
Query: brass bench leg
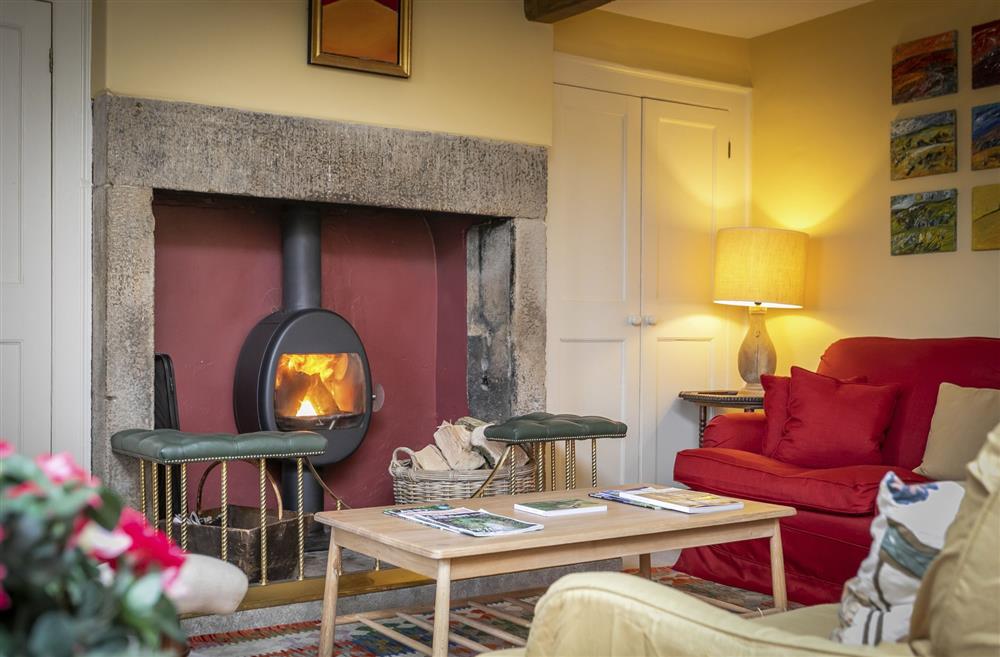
(538, 450)
(593, 462)
(507, 453)
(142, 489)
(224, 504)
(571, 458)
(154, 476)
(568, 465)
(301, 520)
(512, 474)
(184, 507)
(552, 465)
(263, 521)
(168, 486)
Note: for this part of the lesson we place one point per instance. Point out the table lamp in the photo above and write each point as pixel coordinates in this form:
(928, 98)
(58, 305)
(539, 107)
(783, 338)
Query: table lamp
(759, 268)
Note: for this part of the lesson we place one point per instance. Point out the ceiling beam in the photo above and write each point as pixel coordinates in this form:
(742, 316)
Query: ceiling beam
(550, 11)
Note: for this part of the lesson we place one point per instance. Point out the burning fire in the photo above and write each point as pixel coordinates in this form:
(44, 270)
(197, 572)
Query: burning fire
(318, 385)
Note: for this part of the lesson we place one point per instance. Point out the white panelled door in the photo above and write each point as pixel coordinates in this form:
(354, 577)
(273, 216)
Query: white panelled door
(638, 188)
(25, 226)
(693, 184)
(593, 228)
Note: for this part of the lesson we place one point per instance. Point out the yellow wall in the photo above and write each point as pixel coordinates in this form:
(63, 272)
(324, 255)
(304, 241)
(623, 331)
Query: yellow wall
(479, 68)
(821, 114)
(645, 44)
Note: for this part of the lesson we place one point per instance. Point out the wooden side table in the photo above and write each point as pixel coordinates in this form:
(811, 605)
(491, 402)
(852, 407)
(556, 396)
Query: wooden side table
(719, 399)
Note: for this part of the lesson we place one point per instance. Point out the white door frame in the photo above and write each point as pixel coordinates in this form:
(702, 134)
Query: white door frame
(71, 228)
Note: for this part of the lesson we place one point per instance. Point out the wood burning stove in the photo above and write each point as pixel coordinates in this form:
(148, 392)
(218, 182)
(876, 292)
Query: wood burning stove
(304, 367)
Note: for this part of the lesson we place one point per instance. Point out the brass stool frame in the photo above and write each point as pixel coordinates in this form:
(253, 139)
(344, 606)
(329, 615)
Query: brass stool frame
(545, 475)
(152, 512)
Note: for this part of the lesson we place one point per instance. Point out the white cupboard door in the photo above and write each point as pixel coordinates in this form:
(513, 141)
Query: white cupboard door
(693, 184)
(25, 227)
(593, 235)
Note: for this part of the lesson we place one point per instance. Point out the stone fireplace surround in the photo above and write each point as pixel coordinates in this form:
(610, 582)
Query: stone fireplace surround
(142, 145)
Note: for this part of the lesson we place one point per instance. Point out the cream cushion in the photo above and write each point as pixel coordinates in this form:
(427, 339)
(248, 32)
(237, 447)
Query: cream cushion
(208, 586)
(962, 418)
(957, 611)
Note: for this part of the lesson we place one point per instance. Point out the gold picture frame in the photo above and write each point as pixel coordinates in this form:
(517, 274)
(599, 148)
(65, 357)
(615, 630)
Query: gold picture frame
(357, 21)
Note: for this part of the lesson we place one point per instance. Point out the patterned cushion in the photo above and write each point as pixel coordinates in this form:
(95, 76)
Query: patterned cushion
(907, 534)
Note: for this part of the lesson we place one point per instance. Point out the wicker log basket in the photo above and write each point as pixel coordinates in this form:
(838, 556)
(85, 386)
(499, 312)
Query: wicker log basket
(412, 485)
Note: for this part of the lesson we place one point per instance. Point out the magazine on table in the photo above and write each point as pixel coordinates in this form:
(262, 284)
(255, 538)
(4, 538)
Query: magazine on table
(465, 521)
(683, 500)
(615, 495)
(568, 507)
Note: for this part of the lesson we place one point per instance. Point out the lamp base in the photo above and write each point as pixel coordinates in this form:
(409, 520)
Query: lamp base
(756, 354)
(751, 390)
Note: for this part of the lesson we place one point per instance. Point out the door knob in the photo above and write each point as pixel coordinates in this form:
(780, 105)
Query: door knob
(650, 320)
(634, 320)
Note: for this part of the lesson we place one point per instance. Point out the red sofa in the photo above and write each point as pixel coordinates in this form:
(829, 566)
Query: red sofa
(829, 536)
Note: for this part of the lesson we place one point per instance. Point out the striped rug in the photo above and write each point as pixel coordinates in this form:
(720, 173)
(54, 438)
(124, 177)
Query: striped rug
(488, 623)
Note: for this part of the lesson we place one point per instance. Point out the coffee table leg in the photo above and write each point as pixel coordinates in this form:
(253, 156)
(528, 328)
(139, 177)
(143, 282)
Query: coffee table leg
(442, 610)
(778, 570)
(328, 624)
(645, 568)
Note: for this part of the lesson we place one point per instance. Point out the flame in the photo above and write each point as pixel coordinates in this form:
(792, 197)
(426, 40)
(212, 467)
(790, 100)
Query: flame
(318, 385)
(306, 409)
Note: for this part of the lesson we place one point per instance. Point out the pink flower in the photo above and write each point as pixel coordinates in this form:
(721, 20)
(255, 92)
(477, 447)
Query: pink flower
(149, 547)
(60, 468)
(5, 449)
(5, 601)
(102, 544)
(25, 488)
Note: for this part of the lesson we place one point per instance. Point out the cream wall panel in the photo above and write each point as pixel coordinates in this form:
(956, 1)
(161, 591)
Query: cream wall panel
(479, 68)
(821, 115)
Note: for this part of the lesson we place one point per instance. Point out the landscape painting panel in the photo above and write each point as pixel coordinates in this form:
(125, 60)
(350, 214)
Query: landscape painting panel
(366, 29)
(986, 54)
(924, 222)
(923, 145)
(986, 217)
(986, 136)
(925, 68)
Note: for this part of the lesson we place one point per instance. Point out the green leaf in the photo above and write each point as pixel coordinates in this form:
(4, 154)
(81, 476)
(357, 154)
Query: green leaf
(142, 596)
(109, 511)
(52, 635)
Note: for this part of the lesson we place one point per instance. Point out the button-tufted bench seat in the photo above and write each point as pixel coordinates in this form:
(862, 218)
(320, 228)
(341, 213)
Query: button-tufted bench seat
(169, 448)
(537, 429)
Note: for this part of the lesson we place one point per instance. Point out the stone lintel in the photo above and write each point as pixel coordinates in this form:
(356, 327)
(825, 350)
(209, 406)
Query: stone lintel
(199, 148)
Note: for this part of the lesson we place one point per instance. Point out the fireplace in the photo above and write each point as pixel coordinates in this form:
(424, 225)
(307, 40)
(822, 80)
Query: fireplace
(146, 149)
(304, 367)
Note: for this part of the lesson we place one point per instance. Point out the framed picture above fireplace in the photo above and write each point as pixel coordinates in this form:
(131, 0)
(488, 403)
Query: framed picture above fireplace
(364, 35)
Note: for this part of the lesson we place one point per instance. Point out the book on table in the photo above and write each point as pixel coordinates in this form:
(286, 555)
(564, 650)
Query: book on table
(465, 521)
(683, 500)
(567, 507)
(615, 495)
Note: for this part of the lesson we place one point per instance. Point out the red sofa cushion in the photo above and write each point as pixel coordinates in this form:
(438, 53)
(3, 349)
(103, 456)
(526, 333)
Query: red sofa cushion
(919, 367)
(775, 410)
(736, 431)
(833, 423)
(846, 490)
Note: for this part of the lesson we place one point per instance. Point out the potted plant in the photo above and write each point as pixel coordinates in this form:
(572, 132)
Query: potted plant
(79, 574)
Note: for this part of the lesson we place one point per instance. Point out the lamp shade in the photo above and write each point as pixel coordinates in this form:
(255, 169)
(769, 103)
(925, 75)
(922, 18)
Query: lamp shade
(760, 267)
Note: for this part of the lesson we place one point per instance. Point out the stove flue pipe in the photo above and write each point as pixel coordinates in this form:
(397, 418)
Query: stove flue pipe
(301, 275)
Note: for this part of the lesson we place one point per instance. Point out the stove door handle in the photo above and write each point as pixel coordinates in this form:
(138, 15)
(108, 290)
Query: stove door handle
(378, 397)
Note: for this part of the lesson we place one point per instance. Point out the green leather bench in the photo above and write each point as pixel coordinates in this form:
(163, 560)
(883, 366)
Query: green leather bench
(537, 429)
(169, 448)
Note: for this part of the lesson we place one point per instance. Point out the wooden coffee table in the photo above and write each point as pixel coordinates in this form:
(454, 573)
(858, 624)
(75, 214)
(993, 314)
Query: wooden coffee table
(622, 531)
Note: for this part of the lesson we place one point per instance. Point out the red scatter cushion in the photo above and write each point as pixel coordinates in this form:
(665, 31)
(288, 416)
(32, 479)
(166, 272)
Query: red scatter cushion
(775, 410)
(833, 423)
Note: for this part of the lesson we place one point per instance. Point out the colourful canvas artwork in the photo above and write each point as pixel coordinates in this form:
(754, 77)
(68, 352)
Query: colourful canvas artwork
(925, 68)
(923, 145)
(986, 217)
(986, 136)
(924, 222)
(986, 54)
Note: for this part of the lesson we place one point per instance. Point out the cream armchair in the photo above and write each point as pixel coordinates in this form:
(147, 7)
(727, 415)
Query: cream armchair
(957, 610)
(618, 615)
